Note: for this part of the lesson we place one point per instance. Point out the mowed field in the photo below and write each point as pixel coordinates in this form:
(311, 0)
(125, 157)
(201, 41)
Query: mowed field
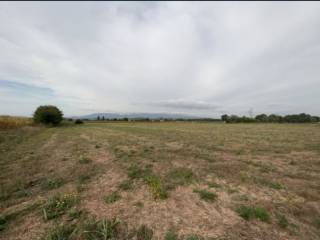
(160, 180)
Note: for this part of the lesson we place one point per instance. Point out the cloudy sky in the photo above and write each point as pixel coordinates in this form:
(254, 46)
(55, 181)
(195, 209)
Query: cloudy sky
(204, 58)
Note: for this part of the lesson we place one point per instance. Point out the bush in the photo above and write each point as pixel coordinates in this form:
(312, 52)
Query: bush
(47, 115)
(78, 121)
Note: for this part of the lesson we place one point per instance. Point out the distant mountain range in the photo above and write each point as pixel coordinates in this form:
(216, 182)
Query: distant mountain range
(139, 116)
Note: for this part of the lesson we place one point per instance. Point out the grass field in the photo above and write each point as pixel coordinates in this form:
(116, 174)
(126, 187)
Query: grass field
(160, 180)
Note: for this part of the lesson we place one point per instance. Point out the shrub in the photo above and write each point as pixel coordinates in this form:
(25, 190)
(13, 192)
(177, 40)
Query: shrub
(249, 213)
(47, 115)
(78, 121)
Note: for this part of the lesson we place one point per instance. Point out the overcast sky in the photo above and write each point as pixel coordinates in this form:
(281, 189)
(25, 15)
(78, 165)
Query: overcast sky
(199, 58)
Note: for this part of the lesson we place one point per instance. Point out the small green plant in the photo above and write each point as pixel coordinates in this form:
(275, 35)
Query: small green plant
(157, 189)
(100, 230)
(52, 183)
(84, 160)
(283, 221)
(59, 232)
(74, 213)
(205, 195)
(58, 205)
(144, 233)
(113, 197)
(125, 185)
(249, 212)
(276, 185)
(180, 176)
(171, 234)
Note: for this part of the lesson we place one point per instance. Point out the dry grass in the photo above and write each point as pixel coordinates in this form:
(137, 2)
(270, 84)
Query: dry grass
(154, 167)
(7, 122)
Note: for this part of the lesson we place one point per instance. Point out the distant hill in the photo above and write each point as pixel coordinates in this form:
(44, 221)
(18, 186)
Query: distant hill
(138, 116)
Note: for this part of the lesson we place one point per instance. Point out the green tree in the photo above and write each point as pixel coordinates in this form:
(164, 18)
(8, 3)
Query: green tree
(47, 114)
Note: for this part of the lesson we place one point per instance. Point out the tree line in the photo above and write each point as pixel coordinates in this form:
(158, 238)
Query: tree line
(272, 118)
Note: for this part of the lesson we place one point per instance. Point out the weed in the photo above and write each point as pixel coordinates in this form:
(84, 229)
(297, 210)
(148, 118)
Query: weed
(59, 232)
(248, 213)
(283, 221)
(52, 183)
(205, 195)
(144, 233)
(58, 205)
(125, 185)
(194, 237)
(171, 234)
(157, 189)
(74, 213)
(113, 197)
(104, 229)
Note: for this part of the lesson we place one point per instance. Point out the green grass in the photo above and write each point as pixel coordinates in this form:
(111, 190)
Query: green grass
(283, 221)
(125, 185)
(250, 212)
(171, 234)
(111, 198)
(214, 185)
(179, 176)
(276, 185)
(136, 172)
(205, 195)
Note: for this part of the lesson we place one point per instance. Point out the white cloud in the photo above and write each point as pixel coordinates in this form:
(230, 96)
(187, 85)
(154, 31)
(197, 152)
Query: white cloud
(146, 56)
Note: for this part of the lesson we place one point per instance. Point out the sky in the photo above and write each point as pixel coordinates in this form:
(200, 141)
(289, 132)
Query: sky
(196, 58)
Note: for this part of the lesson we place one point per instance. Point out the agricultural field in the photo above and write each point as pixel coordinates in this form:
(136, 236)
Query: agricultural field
(160, 180)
